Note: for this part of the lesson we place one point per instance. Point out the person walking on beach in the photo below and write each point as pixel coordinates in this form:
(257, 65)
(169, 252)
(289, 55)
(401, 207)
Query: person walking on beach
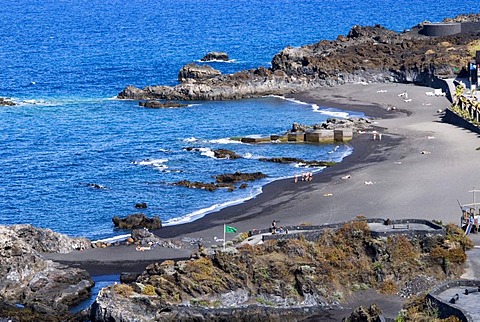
(274, 227)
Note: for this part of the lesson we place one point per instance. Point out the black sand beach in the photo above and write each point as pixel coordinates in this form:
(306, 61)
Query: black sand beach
(418, 170)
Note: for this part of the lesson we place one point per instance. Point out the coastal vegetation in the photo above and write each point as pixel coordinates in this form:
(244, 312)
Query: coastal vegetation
(297, 272)
(466, 107)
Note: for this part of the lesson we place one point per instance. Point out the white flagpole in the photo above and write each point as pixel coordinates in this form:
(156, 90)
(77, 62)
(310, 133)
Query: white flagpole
(224, 228)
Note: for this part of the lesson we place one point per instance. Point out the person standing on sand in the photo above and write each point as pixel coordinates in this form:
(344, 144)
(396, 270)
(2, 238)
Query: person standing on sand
(274, 227)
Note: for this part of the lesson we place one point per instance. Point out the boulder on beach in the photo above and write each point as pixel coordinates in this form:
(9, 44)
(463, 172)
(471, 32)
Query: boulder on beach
(137, 221)
(215, 55)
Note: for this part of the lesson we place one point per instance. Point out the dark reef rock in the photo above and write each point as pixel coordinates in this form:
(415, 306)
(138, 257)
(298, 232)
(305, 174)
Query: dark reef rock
(371, 54)
(238, 177)
(94, 186)
(227, 181)
(193, 72)
(196, 185)
(6, 102)
(158, 104)
(141, 205)
(300, 161)
(219, 153)
(215, 55)
(225, 154)
(137, 221)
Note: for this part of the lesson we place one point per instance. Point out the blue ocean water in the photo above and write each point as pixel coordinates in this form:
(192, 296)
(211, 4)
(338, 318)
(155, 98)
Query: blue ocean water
(66, 60)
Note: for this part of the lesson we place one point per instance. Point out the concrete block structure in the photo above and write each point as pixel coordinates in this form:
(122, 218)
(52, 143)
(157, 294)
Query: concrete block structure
(320, 136)
(447, 29)
(343, 135)
(296, 136)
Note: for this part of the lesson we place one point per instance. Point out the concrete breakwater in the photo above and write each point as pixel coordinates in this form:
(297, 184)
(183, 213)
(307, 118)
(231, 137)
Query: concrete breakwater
(343, 135)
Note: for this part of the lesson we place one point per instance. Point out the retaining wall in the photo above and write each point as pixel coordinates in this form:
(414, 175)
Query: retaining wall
(455, 119)
(447, 29)
(313, 232)
(444, 308)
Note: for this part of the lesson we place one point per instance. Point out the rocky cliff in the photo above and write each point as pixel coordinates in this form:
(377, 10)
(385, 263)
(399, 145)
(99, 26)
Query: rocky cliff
(284, 279)
(366, 54)
(44, 287)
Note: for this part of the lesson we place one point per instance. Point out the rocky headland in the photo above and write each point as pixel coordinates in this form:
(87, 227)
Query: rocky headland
(32, 287)
(365, 54)
(287, 279)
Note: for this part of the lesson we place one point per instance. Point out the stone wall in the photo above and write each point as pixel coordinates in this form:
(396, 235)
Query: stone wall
(447, 29)
(444, 308)
(313, 232)
(455, 119)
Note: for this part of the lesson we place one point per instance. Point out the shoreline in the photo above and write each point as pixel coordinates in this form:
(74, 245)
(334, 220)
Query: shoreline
(229, 215)
(418, 170)
(404, 180)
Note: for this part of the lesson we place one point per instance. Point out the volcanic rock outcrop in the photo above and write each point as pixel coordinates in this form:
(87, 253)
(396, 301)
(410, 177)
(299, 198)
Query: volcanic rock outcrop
(366, 54)
(215, 55)
(41, 285)
(137, 221)
(193, 73)
(281, 279)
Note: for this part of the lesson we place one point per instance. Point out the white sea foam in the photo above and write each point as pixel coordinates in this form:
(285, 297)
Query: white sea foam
(156, 163)
(316, 108)
(202, 212)
(207, 152)
(224, 141)
(332, 113)
(216, 61)
(247, 155)
(191, 139)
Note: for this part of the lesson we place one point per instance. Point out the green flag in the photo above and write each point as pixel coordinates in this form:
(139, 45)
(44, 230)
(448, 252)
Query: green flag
(230, 229)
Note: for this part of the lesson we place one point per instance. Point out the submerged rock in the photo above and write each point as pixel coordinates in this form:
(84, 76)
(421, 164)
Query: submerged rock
(225, 154)
(159, 104)
(300, 161)
(239, 176)
(196, 185)
(137, 221)
(6, 102)
(141, 205)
